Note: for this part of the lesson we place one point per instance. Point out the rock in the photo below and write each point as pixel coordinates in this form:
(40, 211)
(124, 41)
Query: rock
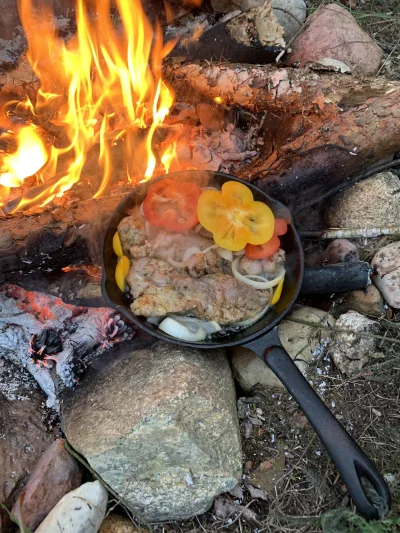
(368, 302)
(80, 511)
(386, 265)
(269, 474)
(23, 431)
(114, 523)
(351, 352)
(290, 14)
(332, 32)
(372, 203)
(338, 251)
(56, 474)
(160, 426)
(299, 340)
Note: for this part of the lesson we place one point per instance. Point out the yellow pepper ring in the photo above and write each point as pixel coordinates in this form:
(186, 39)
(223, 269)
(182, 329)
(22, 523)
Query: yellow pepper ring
(117, 247)
(121, 271)
(234, 218)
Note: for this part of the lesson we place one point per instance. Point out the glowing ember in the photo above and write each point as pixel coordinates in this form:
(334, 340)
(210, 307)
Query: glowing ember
(101, 78)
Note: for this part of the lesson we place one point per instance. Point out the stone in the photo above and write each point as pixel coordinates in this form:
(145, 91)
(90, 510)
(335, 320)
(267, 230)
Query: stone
(56, 474)
(80, 511)
(114, 523)
(290, 14)
(351, 352)
(367, 302)
(299, 340)
(372, 203)
(160, 426)
(340, 251)
(386, 265)
(332, 32)
(23, 432)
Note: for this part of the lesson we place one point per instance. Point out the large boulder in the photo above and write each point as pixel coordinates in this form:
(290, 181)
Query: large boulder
(333, 33)
(386, 265)
(160, 426)
(301, 342)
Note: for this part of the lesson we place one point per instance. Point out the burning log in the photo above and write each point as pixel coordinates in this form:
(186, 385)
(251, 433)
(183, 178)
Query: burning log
(50, 338)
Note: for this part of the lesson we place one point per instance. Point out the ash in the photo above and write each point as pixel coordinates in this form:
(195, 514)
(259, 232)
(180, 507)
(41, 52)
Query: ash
(50, 339)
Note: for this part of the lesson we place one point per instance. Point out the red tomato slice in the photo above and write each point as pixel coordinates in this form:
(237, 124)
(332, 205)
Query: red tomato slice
(260, 251)
(172, 205)
(280, 227)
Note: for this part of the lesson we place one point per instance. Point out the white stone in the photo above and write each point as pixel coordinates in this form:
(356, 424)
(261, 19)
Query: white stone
(349, 351)
(386, 265)
(80, 511)
(299, 340)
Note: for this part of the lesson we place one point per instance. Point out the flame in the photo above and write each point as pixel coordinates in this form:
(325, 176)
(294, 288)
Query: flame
(102, 86)
(29, 158)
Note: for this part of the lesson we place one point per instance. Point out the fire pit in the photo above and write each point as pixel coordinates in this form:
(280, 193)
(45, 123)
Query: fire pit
(107, 97)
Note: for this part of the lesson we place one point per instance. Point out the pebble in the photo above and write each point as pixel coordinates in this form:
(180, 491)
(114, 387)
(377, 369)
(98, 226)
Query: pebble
(332, 32)
(386, 265)
(80, 511)
(372, 203)
(290, 14)
(56, 474)
(114, 523)
(338, 251)
(351, 352)
(367, 302)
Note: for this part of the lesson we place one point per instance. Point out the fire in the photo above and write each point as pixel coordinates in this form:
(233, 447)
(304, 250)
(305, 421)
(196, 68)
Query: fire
(103, 85)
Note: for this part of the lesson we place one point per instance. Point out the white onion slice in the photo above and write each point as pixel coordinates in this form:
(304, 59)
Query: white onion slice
(180, 331)
(253, 320)
(176, 264)
(239, 253)
(192, 250)
(209, 327)
(225, 254)
(212, 247)
(253, 283)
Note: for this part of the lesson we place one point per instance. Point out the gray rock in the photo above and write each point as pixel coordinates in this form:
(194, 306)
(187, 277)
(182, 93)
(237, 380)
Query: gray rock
(332, 32)
(160, 426)
(80, 511)
(386, 265)
(372, 203)
(290, 14)
(338, 251)
(301, 342)
(368, 302)
(350, 352)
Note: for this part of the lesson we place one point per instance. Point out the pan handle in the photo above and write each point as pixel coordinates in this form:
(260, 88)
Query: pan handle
(351, 462)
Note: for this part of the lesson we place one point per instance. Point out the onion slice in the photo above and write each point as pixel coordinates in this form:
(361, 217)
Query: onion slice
(182, 332)
(225, 254)
(192, 250)
(209, 327)
(255, 284)
(176, 264)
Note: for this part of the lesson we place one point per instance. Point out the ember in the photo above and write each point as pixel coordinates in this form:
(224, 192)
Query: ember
(101, 86)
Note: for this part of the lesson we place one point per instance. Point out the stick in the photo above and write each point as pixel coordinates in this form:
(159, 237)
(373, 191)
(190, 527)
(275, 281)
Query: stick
(346, 233)
(338, 278)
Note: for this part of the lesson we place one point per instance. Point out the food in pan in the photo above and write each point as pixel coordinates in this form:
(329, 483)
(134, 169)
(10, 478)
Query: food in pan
(200, 262)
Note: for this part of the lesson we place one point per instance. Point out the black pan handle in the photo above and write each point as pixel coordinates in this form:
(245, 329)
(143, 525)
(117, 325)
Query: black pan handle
(351, 462)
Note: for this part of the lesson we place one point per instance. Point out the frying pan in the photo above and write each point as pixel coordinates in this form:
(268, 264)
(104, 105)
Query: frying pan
(262, 338)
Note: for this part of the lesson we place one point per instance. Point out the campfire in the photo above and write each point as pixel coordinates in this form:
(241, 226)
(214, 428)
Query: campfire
(96, 101)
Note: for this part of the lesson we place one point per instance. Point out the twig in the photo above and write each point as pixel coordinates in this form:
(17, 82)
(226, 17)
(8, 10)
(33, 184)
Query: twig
(287, 45)
(340, 330)
(348, 233)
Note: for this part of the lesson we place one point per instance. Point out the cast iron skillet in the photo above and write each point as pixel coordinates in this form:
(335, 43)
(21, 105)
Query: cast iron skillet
(262, 338)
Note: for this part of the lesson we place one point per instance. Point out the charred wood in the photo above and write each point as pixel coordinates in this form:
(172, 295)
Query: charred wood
(338, 278)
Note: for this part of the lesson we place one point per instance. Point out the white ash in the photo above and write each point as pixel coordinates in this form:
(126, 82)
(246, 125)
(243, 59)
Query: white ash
(14, 379)
(25, 313)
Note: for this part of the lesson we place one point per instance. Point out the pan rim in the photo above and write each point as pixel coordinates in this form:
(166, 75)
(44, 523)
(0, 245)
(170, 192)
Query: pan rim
(201, 345)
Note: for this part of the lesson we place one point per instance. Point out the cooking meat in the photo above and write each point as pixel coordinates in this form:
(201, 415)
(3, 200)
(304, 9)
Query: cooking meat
(158, 289)
(131, 231)
(270, 266)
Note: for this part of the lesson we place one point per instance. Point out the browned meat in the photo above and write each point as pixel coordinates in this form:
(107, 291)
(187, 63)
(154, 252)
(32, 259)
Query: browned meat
(131, 231)
(270, 266)
(159, 289)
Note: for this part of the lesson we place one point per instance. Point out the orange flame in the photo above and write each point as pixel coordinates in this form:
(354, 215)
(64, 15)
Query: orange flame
(102, 76)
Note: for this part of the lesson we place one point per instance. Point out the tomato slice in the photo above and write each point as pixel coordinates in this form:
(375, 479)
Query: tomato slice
(261, 251)
(172, 205)
(280, 227)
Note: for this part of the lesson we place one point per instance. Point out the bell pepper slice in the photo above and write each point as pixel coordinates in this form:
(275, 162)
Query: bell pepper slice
(121, 271)
(117, 246)
(277, 292)
(234, 217)
(172, 205)
(280, 227)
